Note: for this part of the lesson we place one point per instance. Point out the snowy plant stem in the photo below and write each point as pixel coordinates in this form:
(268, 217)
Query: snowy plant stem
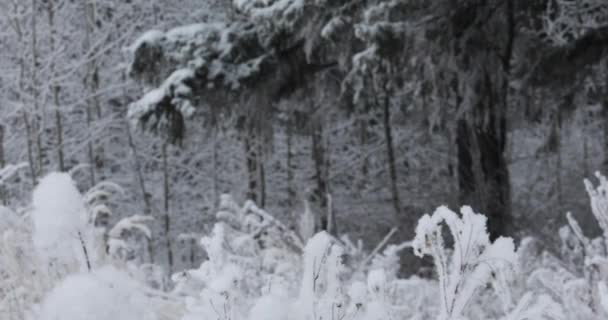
(377, 249)
(84, 251)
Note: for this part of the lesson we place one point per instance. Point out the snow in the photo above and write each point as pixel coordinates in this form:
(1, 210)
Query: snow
(148, 37)
(8, 219)
(358, 293)
(174, 86)
(264, 9)
(376, 282)
(135, 222)
(123, 228)
(271, 307)
(314, 252)
(106, 293)
(603, 292)
(245, 280)
(332, 27)
(227, 279)
(473, 262)
(60, 219)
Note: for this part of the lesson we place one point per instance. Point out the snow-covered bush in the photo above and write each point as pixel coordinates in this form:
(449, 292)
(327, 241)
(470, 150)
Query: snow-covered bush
(22, 284)
(106, 293)
(227, 286)
(247, 251)
(63, 233)
(258, 268)
(577, 280)
(565, 21)
(473, 262)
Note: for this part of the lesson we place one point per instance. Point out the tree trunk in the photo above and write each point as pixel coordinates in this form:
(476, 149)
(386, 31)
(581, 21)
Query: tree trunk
(483, 174)
(142, 185)
(30, 152)
(251, 157)
(452, 165)
(363, 142)
(138, 171)
(481, 135)
(89, 85)
(25, 116)
(262, 175)
(99, 152)
(605, 127)
(34, 123)
(167, 217)
(390, 153)
(291, 192)
(55, 88)
(558, 153)
(139, 174)
(59, 126)
(3, 190)
(320, 192)
(90, 152)
(332, 225)
(216, 189)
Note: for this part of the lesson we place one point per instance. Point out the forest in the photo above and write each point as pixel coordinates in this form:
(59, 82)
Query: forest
(303, 159)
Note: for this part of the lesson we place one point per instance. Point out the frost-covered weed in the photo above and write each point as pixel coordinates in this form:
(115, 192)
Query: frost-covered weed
(577, 280)
(57, 242)
(106, 293)
(258, 268)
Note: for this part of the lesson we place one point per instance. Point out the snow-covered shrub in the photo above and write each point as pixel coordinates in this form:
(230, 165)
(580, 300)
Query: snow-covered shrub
(473, 262)
(72, 231)
(63, 234)
(576, 280)
(565, 21)
(21, 283)
(321, 291)
(247, 250)
(252, 254)
(106, 293)
(257, 268)
(122, 238)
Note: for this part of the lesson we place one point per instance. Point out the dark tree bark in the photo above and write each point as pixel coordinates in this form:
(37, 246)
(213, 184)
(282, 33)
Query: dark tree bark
(363, 141)
(390, 153)
(262, 175)
(291, 192)
(557, 129)
(30, 153)
(2, 164)
(56, 89)
(605, 125)
(167, 217)
(481, 133)
(319, 194)
(216, 167)
(251, 156)
(483, 174)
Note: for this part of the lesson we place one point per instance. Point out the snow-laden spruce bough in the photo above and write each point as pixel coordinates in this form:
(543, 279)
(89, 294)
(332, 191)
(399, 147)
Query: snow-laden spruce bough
(57, 263)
